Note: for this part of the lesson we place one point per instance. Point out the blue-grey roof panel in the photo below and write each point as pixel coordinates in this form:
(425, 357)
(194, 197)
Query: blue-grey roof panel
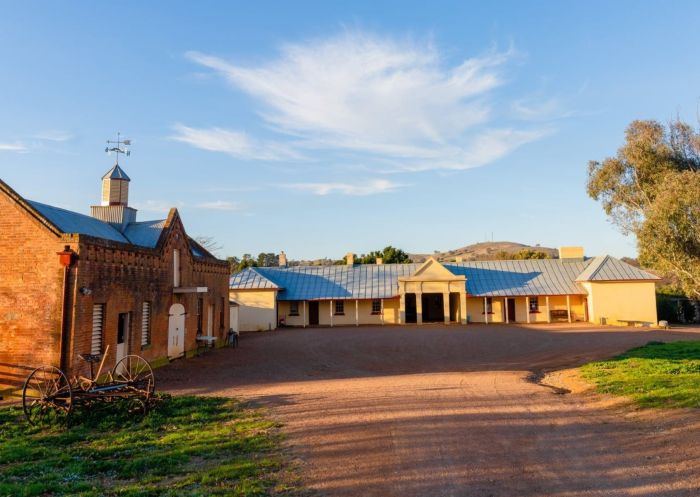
(73, 222)
(607, 268)
(145, 233)
(370, 281)
(251, 279)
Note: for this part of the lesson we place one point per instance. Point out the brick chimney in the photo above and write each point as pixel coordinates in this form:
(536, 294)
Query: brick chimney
(282, 258)
(350, 258)
(459, 259)
(380, 261)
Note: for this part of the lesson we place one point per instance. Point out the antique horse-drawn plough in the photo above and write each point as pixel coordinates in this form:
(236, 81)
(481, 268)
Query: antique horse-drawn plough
(48, 395)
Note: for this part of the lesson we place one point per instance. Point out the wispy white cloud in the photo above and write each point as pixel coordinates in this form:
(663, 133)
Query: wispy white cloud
(157, 206)
(235, 143)
(220, 205)
(54, 135)
(13, 147)
(358, 189)
(373, 100)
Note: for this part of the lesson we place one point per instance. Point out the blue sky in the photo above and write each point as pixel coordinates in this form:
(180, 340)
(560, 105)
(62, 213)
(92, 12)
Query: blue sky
(323, 127)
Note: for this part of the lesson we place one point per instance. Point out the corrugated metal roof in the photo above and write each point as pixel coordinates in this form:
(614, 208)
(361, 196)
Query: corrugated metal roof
(607, 268)
(116, 173)
(370, 281)
(145, 233)
(251, 279)
(520, 278)
(72, 222)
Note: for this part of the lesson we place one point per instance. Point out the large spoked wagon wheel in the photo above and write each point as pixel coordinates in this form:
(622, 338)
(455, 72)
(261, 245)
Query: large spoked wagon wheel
(135, 372)
(47, 396)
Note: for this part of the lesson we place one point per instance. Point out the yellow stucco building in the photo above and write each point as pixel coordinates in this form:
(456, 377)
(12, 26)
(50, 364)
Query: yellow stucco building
(602, 290)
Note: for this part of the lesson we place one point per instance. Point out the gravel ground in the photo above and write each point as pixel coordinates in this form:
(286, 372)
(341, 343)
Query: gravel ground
(439, 411)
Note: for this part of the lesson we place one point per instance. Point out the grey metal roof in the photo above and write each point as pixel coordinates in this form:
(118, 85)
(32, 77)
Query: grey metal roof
(72, 222)
(520, 278)
(145, 233)
(251, 279)
(607, 268)
(371, 281)
(116, 173)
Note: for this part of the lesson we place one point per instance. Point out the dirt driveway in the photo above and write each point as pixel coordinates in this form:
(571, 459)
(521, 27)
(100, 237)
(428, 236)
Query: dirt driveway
(448, 411)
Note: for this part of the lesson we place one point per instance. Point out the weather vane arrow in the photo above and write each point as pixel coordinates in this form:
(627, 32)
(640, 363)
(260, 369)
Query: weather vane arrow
(118, 146)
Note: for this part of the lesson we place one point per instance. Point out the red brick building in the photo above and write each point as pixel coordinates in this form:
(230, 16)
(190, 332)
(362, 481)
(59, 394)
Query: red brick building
(73, 284)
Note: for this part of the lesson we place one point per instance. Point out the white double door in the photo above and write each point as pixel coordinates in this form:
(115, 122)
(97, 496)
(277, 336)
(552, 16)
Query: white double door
(176, 331)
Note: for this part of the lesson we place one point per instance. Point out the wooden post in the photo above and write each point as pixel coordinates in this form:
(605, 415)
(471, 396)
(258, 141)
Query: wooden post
(381, 312)
(568, 307)
(331, 313)
(304, 314)
(505, 308)
(357, 313)
(486, 310)
(527, 308)
(402, 308)
(549, 312)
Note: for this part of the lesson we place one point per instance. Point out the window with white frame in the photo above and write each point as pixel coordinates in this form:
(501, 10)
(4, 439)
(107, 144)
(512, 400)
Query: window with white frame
(98, 316)
(489, 305)
(294, 308)
(339, 307)
(146, 324)
(376, 306)
(534, 304)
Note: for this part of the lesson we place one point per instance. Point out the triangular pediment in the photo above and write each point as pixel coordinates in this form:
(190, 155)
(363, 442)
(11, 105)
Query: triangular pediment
(433, 270)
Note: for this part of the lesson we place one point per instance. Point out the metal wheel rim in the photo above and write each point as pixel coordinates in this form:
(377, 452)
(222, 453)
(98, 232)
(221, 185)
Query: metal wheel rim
(136, 372)
(47, 395)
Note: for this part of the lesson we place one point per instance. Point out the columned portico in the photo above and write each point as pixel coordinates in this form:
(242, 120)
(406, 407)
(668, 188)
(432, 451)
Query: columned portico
(430, 295)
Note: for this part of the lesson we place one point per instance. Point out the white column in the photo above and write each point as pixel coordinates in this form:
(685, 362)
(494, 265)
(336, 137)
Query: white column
(568, 307)
(463, 307)
(357, 313)
(381, 312)
(419, 307)
(331, 306)
(505, 308)
(527, 309)
(304, 314)
(486, 310)
(402, 308)
(446, 307)
(549, 313)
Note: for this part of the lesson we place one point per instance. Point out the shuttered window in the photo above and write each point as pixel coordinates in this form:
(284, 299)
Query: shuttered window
(146, 324)
(98, 316)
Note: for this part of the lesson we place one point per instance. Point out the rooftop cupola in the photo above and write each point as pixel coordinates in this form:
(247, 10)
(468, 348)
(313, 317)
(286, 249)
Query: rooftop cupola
(115, 187)
(114, 206)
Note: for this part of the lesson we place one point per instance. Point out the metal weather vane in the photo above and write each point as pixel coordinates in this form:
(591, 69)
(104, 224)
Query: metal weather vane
(118, 146)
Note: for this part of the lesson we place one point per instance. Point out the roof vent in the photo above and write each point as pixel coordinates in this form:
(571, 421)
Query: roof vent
(350, 258)
(282, 258)
(380, 261)
(571, 254)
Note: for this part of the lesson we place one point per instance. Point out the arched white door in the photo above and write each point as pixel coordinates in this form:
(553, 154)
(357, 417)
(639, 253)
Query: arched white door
(176, 331)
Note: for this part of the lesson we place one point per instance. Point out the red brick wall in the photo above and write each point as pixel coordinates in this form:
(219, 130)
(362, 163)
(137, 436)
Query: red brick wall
(123, 278)
(31, 285)
(120, 276)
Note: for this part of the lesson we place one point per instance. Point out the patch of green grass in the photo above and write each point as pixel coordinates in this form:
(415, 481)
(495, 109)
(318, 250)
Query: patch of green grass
(186, 446)
(655, 375)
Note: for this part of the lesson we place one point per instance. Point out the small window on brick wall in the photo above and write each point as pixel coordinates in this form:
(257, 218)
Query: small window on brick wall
(294, 308)
(339, 307)
(98, 317)
(146, 324)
